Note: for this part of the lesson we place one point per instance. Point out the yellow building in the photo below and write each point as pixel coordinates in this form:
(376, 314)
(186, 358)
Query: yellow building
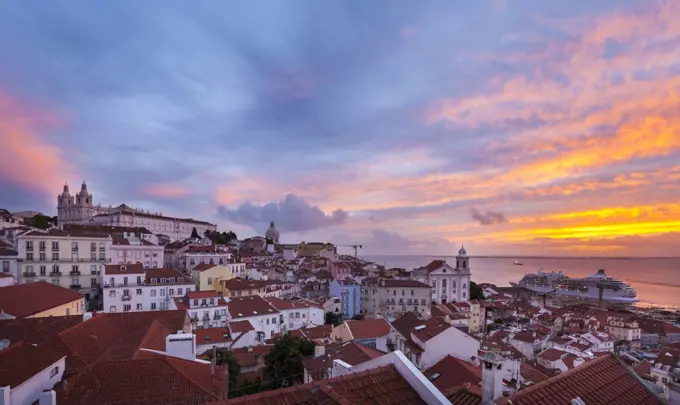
(208, 276)
(314, 248)
(39, 300)
(72, 259)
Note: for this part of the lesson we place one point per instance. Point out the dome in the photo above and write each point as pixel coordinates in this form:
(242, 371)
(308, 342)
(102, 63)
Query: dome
(272, 234)
(83, 190)
(65, 193)
(462, 251)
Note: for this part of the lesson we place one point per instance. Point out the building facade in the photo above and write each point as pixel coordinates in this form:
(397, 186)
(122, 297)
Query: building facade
(207, 309)
(67, 259)
(449, 284)
(79, 208)
(391, 298)
(349, 293)
(133, 288)
(131, 250)
(196, 255)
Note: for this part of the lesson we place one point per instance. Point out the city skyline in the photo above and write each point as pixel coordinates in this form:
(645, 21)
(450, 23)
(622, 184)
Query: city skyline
(515, 128)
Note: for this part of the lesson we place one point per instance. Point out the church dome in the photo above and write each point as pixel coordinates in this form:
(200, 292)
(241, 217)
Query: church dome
(272, 234)
(83, 190)
(462, 251)
(65, 193)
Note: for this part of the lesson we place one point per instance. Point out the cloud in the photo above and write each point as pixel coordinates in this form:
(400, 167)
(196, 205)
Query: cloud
(292, 214)
(166, 190)
(488, 218)
(383, 241)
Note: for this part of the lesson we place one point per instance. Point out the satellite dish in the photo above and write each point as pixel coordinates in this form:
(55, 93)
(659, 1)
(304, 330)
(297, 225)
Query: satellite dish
(4, 343)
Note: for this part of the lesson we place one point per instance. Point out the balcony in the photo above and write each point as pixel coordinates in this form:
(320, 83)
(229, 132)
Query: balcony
(217, 317)
(55, 274)
(28, 274)
(194, 320)
(206, 319)
(29, 248)
(126, 297)
(74, 273)
(75, 286)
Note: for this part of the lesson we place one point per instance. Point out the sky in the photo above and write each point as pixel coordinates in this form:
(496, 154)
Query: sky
(524, 127)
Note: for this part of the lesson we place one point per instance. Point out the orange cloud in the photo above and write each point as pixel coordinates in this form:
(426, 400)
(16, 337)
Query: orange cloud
(25, 157)
(166, 190)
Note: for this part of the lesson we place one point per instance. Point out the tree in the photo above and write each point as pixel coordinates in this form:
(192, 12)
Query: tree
(40, 221)
(226, 357)
(207, 233)
(476, 292)
(230, 236)
(194, 234)
(284, 361)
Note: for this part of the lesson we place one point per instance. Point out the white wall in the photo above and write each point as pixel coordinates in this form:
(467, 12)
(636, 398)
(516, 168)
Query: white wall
(28, 392)
(452, 341)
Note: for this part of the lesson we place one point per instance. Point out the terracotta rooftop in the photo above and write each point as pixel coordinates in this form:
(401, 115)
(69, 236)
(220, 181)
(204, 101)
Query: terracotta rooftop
(156, 380)
(206, 336)
(368, 328)
(120, 336)
(248, 356)
(36, 330)
(43, 296)
(605, 380)
(20, 362)
(379, 386)
(204, 266)
(168, 274)
(236, 284)
(464, 395)
(115, 269)
(241, 307)
(434, 265)
(5, 251)
(451, 372)
(351, 353)
(432, 327)
(241, 326)
(78, 233)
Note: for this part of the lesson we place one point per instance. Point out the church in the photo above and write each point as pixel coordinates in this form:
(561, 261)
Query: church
(80, 209)
(449, 284)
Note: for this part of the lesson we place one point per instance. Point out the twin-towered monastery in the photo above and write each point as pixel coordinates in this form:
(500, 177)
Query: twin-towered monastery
(79, 208)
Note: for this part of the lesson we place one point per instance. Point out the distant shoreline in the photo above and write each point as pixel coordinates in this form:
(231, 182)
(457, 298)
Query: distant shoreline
(534, 257)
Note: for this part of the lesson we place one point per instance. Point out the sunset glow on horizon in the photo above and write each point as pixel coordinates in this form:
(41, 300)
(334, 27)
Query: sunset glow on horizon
(516, 128)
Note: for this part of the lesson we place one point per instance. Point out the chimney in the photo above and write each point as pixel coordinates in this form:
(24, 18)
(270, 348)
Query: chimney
(319, 350)
(492, 377)
(47, 398)
(250, 348)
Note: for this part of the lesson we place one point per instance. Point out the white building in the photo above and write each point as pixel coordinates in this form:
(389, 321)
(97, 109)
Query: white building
(196, 255)
(437, 339)
(131, 288)
(8, 220)
(40, 369)
(449, 284)
(71, 259)
(298, 314)
(80, 209)
(131, 249)
(207, 309)
(266, 320)
(9, 261)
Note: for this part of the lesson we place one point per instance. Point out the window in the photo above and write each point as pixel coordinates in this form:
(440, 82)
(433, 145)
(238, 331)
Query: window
(212, 301)
(153, 305)
(267, 321)
(43, 257)
(290, 326)
(179, 291)
(93, 269)
(43, 269)
(55, 268)
(162, 292)
(93, 281)
(139, 307)
(139, 291)
(153, 293)
(55, 246)
(125, 280)
(171, 291)
(139, 280)
(74, 246)
(29, 257)
(54, 371)
(93, 247)
(297, 315)
(273, 321)
(112, 293)
(127, 308)
(209, 280)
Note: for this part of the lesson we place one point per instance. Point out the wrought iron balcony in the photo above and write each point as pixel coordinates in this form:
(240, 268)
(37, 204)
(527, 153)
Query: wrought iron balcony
(55, 274)
(74, 273)
(75, 286)
(126, 297)
(28, 274)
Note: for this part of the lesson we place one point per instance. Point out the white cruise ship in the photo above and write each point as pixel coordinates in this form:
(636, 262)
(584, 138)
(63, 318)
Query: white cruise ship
(556, 282)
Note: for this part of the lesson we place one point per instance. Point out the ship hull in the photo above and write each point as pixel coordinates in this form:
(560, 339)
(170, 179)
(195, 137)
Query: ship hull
(592, 293)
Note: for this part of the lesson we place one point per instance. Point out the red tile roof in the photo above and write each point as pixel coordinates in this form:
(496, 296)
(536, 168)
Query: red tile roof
(433, 327)
(241, 326)
(120, 336)
(36, 330)
(379, 386)
(464, 395)
(605, 380)
(20, 362)
(434, 265)
(206, 336)
(193, 295)
(368, 328)
(204, 266)
(155, 380)
(351, 353)
(168, 274)
(451, 372)
(111, 269)
(249, 356)
(41, 295)
(241, 307)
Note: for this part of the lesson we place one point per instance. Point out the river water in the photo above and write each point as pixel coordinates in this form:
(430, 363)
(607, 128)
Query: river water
(656, 280)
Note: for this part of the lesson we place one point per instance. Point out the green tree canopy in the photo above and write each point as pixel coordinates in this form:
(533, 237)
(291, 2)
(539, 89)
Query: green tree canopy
(284, 361)
(194, 233)
(476, 292)
(40, 221)
(220, 238)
